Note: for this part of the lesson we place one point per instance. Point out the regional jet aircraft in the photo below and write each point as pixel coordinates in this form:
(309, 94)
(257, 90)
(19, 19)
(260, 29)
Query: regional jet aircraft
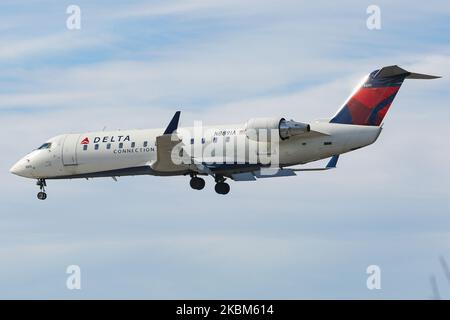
(259, 148)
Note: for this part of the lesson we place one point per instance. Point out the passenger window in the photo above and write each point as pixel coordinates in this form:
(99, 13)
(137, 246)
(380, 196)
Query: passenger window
(108, 146)
(203, 140)
(192, 141)
(96, 146)
(120, 145)
(214, 139)
(327, 143)
(145, 144)
(85, 147)
(133, 144)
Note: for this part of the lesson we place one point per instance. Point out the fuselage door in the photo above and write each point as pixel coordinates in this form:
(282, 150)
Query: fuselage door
(69, 150)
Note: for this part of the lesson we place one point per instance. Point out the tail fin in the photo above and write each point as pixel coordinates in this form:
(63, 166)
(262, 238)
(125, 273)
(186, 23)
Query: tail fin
(371, 101)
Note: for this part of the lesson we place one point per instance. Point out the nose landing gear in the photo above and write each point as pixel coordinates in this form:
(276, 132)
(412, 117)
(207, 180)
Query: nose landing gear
(42, 184)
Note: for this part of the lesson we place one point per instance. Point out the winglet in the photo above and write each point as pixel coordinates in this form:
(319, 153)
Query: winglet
(333, 161)
(173, 125)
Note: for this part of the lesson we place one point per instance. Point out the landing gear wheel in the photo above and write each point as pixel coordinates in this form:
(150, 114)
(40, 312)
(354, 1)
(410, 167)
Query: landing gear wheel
(222, 188)
(197, 183)
(42, 195)
(42, 184)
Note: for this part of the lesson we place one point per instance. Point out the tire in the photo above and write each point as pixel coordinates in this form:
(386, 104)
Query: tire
(222, 188)
(197, 183)
(42, 196)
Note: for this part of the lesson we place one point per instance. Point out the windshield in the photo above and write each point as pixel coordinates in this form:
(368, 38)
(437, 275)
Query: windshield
(46, 145)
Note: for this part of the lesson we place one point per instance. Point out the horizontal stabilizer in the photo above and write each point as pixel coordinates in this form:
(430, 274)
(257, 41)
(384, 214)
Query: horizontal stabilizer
(413, 75)
(394, 71)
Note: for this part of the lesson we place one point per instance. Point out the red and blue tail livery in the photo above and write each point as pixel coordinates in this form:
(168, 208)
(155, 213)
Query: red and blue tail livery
(370, 103)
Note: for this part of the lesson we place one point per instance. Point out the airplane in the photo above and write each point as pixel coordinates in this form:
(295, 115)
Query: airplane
(259, 148)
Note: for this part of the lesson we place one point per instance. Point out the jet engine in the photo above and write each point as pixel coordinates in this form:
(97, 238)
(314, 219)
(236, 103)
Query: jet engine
(262, 129)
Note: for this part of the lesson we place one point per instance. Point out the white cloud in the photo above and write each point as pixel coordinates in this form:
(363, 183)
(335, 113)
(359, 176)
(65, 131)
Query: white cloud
(52, 44)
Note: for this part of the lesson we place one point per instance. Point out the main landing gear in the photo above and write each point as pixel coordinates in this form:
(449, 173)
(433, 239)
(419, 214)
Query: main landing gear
(221, 187)
(42, 184)
(197, 183)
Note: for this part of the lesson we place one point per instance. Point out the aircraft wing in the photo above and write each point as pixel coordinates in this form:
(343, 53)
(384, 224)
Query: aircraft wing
(169, 147)
(168, 144)
(331, 165)
(251, 172)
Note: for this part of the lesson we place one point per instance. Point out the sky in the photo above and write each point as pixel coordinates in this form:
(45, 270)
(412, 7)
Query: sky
(134, 63)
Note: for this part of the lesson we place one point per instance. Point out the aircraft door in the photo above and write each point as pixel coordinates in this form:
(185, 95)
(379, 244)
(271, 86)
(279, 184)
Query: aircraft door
(69, 150)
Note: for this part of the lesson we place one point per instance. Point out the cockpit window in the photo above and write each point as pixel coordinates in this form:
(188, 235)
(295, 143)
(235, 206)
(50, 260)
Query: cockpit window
(46, 145)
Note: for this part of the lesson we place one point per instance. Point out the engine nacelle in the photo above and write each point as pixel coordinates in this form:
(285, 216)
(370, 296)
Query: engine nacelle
(262, 129)
(292, 128)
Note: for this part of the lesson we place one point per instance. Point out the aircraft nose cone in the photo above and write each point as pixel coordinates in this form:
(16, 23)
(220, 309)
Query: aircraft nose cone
(16, 169)
(19, 169)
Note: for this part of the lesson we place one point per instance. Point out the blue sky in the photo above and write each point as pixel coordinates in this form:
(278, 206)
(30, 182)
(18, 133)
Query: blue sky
(133, 63)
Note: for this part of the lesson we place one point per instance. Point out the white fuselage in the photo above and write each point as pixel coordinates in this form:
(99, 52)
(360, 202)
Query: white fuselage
(79, 155)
